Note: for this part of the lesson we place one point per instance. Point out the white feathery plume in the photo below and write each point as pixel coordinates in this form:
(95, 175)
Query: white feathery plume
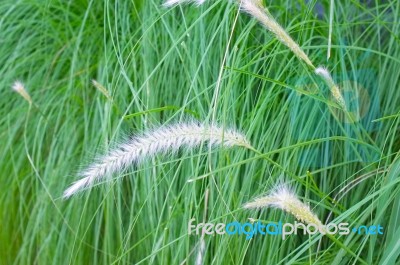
(282, 197)
(255, 9)
(335, 91)
(19, 87)
(169, 3)
(161, 140)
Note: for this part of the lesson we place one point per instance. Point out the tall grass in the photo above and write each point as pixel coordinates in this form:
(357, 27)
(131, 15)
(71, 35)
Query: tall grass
(160, 65)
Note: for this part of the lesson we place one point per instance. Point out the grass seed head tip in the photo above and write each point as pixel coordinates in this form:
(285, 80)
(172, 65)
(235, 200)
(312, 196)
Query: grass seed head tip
(322, 71)
(19, 87)
(335, 91)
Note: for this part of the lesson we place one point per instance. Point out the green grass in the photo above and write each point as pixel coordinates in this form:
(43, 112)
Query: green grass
(166, 65)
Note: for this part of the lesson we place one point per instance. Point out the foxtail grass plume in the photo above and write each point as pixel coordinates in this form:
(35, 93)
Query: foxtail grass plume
(282, 197)
(20, 89)
(159, 141)
(335, 91)
(255, 9)
(101, 88)
(169, 3)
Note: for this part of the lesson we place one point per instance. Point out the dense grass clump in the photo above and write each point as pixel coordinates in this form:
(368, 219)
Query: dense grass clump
(153, 66)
